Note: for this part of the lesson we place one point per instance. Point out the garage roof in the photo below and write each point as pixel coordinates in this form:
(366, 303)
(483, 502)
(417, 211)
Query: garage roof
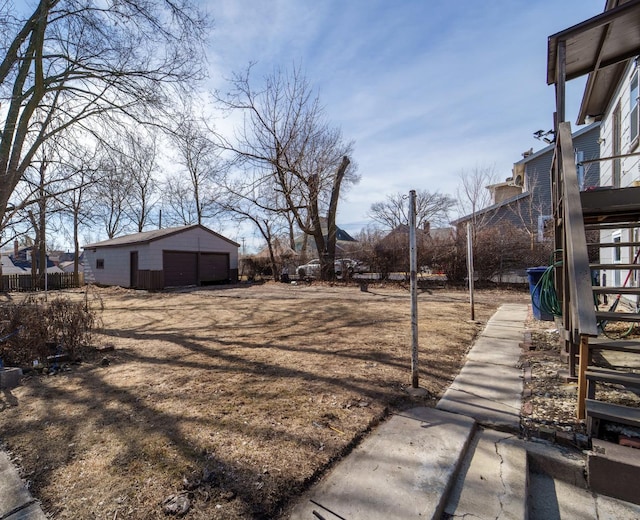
(149, 236)
(601, 47)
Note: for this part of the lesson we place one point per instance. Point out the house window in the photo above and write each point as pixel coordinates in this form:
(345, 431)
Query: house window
(100, 263)
(633, 104)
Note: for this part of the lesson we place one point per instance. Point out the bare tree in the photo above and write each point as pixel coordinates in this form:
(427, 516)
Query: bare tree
(138, 157)
(285, 137)
(84, 64)
(473, 195)
(110, 196)
(433, 208)
(192, 194)
(253, 198)
(75, 199)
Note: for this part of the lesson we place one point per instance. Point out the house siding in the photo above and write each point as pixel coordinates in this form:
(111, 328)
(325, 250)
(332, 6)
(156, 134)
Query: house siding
(116, 265)
(629, 176)
(589, 144)
(628, 165)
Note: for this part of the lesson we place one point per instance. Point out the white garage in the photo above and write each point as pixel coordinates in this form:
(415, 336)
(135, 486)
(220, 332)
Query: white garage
(172, 257)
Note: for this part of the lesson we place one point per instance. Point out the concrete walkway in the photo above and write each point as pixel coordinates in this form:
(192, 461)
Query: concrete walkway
(489, 386)
(408, 466)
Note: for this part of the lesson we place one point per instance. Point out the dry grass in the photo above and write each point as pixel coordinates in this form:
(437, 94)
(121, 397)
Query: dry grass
(238, 398)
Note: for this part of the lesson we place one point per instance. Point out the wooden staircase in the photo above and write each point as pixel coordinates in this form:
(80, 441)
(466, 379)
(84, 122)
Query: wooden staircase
(607, 211)
(585, 223)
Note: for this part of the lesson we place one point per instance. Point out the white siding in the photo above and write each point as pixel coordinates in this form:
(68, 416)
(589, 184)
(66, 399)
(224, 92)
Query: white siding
(116, 269)
(629, 174)
(630, 166)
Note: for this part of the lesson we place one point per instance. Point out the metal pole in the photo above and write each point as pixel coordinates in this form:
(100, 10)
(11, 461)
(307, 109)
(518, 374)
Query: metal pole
(470, 269)
(413, 261)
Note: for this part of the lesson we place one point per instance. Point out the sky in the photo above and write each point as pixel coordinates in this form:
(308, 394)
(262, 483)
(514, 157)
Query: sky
(425, 88)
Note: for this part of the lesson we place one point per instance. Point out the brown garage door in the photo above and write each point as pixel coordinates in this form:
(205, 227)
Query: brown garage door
(214, 267)
(180, 268)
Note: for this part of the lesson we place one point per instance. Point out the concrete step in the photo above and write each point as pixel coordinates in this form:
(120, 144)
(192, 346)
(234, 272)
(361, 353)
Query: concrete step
(558, 487)
(614, 470)
(492, 482)
(553, 499)
(404, 469)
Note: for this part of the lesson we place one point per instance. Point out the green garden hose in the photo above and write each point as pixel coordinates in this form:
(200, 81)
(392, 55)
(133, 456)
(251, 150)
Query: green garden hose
(549, 302)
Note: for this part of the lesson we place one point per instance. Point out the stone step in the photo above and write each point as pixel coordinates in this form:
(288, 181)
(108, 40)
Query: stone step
(404, 469)
(492, 482)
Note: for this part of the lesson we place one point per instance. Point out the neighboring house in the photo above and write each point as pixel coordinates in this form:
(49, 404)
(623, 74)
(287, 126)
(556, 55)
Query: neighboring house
(21, 261)
(179, 256)
(306, 245)
(67, 266)
(524, 199)
(58, 257)
(64, 260)
(280, 248)
(9, 268)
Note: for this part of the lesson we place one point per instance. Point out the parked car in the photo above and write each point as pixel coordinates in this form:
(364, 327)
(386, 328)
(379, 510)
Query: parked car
(310, 269)
(354, 266)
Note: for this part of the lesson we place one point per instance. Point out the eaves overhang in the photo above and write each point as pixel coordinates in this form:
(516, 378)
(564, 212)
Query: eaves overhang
(600, 47)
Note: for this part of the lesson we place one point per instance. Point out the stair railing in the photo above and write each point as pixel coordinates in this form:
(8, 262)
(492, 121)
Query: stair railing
(573, 275)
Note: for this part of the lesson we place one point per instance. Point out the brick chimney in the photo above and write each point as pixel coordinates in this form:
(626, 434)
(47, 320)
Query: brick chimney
(426, 227)
(16, 249)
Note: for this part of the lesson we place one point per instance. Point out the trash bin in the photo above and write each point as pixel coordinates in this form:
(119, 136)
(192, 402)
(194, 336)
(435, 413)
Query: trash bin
(535, 274)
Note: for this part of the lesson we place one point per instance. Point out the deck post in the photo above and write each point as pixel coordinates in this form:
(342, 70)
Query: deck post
(582, 378)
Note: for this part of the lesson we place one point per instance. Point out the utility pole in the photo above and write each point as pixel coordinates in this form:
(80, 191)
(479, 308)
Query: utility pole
(470, 271)
(413, 261)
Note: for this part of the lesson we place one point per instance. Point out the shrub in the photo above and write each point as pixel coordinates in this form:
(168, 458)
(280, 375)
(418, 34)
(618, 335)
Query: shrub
(33, 330)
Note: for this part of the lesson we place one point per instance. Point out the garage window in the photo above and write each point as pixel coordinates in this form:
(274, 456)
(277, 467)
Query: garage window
(100, 263)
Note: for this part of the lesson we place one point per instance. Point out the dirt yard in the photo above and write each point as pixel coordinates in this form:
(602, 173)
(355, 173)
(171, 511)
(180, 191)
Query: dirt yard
(227, 402)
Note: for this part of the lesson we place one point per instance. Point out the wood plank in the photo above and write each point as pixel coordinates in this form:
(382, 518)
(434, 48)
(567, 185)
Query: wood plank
(614, 266)
(615, 290)
(617, 316)
(576, 263)
(612, 244)
(613, 412)
(613, 225)
(612, 202)
(617, 377)
(582, 380)
(631, 346)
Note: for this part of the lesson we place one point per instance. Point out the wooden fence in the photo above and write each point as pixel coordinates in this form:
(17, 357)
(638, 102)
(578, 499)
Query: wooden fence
(26, 282)
(150, 280)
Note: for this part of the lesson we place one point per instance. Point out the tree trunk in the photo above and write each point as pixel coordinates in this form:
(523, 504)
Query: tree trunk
(331, 215)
